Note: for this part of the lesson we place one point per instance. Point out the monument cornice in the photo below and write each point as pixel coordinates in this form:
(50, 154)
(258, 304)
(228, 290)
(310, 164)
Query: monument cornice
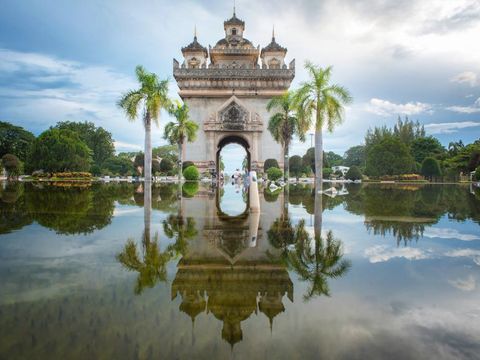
(233, 74)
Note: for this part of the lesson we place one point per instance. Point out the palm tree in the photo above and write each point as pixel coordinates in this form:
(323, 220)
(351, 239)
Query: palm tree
(152, 96)
(176, 226)
(181, 130)
(318, 263)
(321, 103)
(283, 124)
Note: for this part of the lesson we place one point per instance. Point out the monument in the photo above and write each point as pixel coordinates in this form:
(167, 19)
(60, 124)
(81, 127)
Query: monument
(227, 88)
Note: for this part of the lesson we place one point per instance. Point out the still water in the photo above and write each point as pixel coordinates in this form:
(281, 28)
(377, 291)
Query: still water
(103, 271)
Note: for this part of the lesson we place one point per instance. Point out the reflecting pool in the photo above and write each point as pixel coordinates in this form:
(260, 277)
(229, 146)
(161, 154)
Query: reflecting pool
(153, 271)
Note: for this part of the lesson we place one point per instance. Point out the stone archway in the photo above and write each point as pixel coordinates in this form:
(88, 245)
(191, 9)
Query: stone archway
(233, 139)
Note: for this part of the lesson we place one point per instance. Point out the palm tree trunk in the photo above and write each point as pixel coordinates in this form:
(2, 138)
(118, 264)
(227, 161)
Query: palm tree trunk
(317, 224)
(318, 159)
(147, 209)
(180, 161)
(148, 148)
(286, 164)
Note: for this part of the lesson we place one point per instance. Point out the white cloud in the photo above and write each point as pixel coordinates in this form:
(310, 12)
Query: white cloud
(468, 284)
(386, 108)
(448, 128)
(382, 253)
(475, 108)
(466, 77)
(445, 233)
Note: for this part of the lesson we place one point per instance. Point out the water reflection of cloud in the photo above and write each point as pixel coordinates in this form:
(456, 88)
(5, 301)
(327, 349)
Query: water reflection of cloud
(382, 253)
(447, 233)
(468, 284)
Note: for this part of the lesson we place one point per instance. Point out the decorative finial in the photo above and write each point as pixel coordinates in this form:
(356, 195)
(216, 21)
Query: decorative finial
(234, 8)
(195, 32)
(273, 33)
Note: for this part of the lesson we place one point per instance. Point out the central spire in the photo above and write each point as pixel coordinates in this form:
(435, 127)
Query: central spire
(234, 8)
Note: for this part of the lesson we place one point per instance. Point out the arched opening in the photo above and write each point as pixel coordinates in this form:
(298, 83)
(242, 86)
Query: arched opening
(234, 152)
(233, 158)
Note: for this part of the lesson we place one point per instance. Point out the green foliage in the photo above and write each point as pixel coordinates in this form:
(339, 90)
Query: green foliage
(408, 131)
(97, 139)
(189, 189)
(476, 176)
(296, 165)
(353, 173)
(119, 165)
(466, 158)
(12, 165)
(156, 166)
(166, 166)
(430, 168)
(354, 156)
(274, 173)
(139, 161)
(269, 163)
(57, 150)
(309, 159)
(327, 172)
(169, 152)
(187, 164)
(331, 159)
(388, 157)
(183, 129)
(191, 173)
(424, 147)
(15, 140)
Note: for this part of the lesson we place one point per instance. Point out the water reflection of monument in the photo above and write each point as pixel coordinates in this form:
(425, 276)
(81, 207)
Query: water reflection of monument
(230, 270)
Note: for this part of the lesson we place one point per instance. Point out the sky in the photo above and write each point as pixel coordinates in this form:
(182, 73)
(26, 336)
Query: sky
(71, 60)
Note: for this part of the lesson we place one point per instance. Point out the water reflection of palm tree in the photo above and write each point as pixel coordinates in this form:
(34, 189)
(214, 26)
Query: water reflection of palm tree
(317, 262)
(151, 265)
(314, 261)
(176, 226)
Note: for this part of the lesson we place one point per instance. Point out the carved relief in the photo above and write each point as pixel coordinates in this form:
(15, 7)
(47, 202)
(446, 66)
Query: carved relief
(233, 117)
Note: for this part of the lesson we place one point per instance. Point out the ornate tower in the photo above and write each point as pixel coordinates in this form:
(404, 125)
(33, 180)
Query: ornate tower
(227, 91)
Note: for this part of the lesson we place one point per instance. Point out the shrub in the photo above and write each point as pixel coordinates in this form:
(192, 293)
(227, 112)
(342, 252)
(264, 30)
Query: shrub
(166, 165)
(476, 176)
(270, 163)
(327, 172)
(353, 173)
(274, 173)
(12, 165)
(187, 164)
(430, 168)
(72, 175)
(191, 173)
(296, 166)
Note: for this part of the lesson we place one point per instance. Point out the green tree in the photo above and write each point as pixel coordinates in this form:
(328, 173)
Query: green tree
(12, 165)
(389, 157)
(430, 168)
(321, 103)
(152, 96)
(353, 173)
(183, 129)
(424, 147)
(309, 159)
(169, 152)
(355, 156)
(284, 124)
(166, 166)
(15, 140)
(58, 150)
(296, 166)
(408, 131)
(181, 229)
(119, 165)
(98, 139)
(332, 159)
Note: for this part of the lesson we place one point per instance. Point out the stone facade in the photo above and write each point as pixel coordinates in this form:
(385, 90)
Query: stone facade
(227, 88)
